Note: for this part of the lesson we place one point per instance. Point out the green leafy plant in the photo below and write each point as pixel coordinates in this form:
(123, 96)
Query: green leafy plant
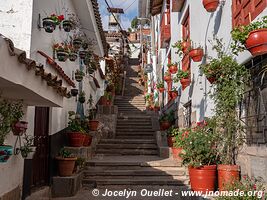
(240, 34)
(10, 112)
(181, 74)
(64, 153)
(172, 64)
(79, 73)
(198, 144)
(27, 146)
(180, 46)
(160, 84)
(75, 122)
(252, 189)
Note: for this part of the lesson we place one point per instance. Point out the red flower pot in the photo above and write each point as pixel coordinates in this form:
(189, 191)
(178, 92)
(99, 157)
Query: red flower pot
(87, 140)
(168, 78)
(227, 175)
(185, 46)
(185, 82)
(19, 127)
(176, 153)
(203, 178)
(164, 125)
(256, 43)
(173, 69)
(156, 108)
(76, 139)
(196, 54)
(211, 80)
(170, 141)
(93, 125)
(161, 90)
(174, 94)
(210, 5)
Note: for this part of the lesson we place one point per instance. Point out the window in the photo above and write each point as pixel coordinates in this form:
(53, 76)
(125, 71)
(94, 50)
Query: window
(187, 114)
(245, 10)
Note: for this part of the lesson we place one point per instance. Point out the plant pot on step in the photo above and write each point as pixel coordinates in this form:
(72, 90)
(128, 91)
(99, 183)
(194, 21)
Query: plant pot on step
(256, 43)
(210, 5)
(76, 139)
(164, 125)
(49, 25)
(67, 25)
(93, 125)
(66, 166)
(5, 153)
(227, 175)
(185, 82)
(87, 140)
(176, 153)
(19, 128)
(203, 178)
(196, 54)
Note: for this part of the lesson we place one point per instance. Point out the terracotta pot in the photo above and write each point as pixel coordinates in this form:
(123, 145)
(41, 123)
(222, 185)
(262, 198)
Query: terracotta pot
(49, 25)
(256, 43)
(65, 166)
(156, 108)
(210, 5)
(19, 128)
(93, 125)
(76, 139)
(164, 125)
(168, 78)
(176, 152)
(203, 178)
(196, 54)
(87, 140)
(174, 94)
(161, 90)
(173, 69)
(185, 82)
(170, 141)
(185, 46)
(211, 80)
(227, 175)
(67, 25)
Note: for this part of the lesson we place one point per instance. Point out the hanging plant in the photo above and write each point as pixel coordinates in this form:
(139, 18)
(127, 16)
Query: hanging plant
(62, 50)
(28, 149)
(160, 86)
(252, 37)
(196, 53)
(77, 43)
(173, 93)
(182, 46)
(183, 77)
(212, 70)
(88, 58)
(79, 74)
(82, 97)
(172, 68)
(49, 23)
(82, 54)
(74, 92)
(210, 5)
(73, 56)
(19, 128)
(167, 77)
(67, 25)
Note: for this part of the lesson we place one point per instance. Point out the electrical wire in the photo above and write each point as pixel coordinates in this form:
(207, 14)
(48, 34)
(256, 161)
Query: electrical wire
(130, 5)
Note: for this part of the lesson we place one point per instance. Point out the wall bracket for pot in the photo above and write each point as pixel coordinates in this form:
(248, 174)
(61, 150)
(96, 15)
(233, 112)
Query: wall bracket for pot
(17, 150)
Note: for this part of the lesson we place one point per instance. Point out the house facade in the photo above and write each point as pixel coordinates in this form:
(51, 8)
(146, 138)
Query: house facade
(31, 72)
(173, 20)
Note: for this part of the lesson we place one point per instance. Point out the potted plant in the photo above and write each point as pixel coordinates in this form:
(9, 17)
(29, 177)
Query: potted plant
(182, 47)
(28, 149)
(166, 120)
(50, 23)
(93, 123)
(211, 71)
(167, 77)
(174, 142)
(79, 164)
(82, 97)
(72, 54)
(210, 5)
(88, 58)
(183, 77)
(171, 134)
(18, 127)
(156, 106)
(8, 116)
(172, 68)
(173, 93)
(67, 25)
(66, 163)
(160, 86)
(75, 130)
(62, 51)
(196, 53)
(87, 136)
(79, 74)
(199, 153)
(74, 92)
(252, 37)
(227, 94)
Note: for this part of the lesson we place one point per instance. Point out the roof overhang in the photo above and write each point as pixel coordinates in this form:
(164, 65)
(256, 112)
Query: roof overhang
(156, 7)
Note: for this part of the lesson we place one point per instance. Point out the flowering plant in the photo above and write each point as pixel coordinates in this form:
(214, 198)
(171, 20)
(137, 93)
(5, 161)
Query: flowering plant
(198, 144)
(181, 74)
(57, 18)
(62, 47)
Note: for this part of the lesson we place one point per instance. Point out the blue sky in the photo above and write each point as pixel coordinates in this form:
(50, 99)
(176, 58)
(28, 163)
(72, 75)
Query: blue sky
(130, 11)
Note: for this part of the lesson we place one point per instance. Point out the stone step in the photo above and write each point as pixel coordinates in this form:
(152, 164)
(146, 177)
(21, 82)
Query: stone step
(127, 146)
(134, 132)
(135, 137)
(127, 151)
(145, 181)
(134, 127)
(127, 141)
(135, 118)
(130, 122)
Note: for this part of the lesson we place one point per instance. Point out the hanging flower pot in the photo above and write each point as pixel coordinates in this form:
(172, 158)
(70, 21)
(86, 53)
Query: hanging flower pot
(90, 70)
(76, 139)
(85, 45)
(156, 109)
(161, 90)
(93, 125)
(211, 79)
(19, 127)
(73, 56)
(67, 25)
(185, 82)
(49, 25)
(196, 54)
(28, 153)
(227, 175)
(203, 178)
(256, 43)
(82, 99)
(210, 5)
(87, 140)
(74, 92)
(168, 78)
(174, 94)
(172, 68)
(5, 153)
(79, 75)
(77, 43)
(62, 56)
(82, 54)
(185, 45)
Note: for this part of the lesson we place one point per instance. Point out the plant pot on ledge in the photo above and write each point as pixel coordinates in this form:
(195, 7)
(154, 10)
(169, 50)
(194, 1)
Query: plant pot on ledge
(256, 43)
(227, 175)
(93, 125)
(76, 139)
(196, 54)
(210, 5)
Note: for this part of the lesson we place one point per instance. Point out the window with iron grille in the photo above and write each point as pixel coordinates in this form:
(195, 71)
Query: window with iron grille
(187, 114)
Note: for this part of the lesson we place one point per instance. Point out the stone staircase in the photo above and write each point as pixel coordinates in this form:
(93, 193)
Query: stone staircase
(131, 158)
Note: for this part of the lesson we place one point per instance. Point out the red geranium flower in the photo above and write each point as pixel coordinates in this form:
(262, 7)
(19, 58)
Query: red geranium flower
(61, 17)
